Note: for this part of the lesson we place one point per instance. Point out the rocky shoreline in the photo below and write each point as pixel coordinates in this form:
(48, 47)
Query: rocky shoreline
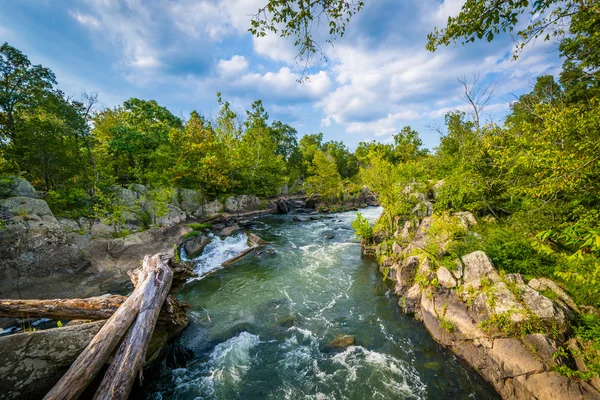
(510, 331)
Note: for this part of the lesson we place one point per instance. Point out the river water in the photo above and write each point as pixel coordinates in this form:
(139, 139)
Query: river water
(261, 329)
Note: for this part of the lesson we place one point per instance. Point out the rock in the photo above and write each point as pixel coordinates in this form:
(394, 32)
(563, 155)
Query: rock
(509, 358)
(466, 218)
(477, 265)
(445, 278)
(405, 272)
(412, 299)
(543, 347)
(139, 189)
(514, 278)
(284, 190)
(552, 386)
(26, 205)
(255, 240)
(33, 362)
(195, 245)
(299, 219)
(342, 341)
(286, 322)
(190, 200)
(209, 209)
(100, 229)
(543, 307)
(241, 203)
(547, 284)
(174, 216)
(19, 187)
(230, 230)
(128, 196)
(68, 225)
(282, 206)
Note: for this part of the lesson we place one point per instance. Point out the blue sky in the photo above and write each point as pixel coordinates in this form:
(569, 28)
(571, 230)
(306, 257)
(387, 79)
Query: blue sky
(376, 80)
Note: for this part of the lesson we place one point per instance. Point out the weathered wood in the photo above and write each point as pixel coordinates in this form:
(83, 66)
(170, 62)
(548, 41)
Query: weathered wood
(93, 308)
(237, 258)
(129, 359)
(92, 359)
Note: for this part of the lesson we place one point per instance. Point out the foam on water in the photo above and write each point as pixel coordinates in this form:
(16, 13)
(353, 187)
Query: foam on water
(218, 251)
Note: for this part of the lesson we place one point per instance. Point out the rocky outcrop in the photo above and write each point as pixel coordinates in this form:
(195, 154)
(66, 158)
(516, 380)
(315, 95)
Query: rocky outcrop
(508, 330)
(236, 204)
(195, 245)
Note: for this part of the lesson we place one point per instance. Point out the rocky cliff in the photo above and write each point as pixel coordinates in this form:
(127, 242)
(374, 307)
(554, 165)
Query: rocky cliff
(511, 331)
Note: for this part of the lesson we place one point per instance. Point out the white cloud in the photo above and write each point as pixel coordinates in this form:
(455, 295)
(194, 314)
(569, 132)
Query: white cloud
(285, 84)
(234, 66)
(85, 19)
(275, 48)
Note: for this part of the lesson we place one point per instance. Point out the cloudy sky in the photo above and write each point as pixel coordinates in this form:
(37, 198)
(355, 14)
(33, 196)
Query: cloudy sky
(376, 80)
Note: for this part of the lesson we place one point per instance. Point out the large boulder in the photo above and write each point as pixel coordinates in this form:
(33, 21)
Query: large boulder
(190, 200)
(27, 205)
(195, 245)
(242, 203)
(209, 209)
(230, 230)
(18, 187)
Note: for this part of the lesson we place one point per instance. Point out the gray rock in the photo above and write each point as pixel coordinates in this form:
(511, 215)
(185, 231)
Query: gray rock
(26, 205)
(514, 278)
(547, 284)
(196, 245)
(284, 190)
(209, 209)
(190, 200)
(100, 229)
(33, 362)
(412, 299)
(241, 203)
(174, 216)
(466, 218)
(230, 230)
(445, 278)
(21, 188)
(543, 307)
(68, 225)
(128, 196)
(405, 273)
(477, 265)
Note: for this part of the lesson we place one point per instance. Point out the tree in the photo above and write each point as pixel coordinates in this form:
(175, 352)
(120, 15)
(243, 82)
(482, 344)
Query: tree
(325, 178)
(22, 85)
(477, 95)
(261, 169)
(482, 19)
(200, 157)
(407, 145)
(346, 162)
(297, 19)
(308, 146)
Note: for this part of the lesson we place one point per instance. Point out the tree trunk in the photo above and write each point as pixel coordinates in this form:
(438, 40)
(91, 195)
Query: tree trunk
(92, 359)
(129, 359)
(93, 308)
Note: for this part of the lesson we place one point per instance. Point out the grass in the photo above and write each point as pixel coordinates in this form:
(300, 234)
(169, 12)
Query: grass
(192, 234)
(200, 227)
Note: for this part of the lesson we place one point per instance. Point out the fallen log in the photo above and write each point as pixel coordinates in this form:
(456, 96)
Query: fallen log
(129, 359)
(92, 359)
(92, 308)
(254, 241)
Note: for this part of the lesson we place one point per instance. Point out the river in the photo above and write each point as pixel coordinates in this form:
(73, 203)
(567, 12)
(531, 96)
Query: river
(260, 329)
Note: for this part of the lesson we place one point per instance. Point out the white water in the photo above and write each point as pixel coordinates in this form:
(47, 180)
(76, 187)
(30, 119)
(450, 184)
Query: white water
(216, 252)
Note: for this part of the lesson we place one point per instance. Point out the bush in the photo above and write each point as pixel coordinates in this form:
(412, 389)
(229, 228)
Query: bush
(362, 228)
(70, 203)
(192, 234)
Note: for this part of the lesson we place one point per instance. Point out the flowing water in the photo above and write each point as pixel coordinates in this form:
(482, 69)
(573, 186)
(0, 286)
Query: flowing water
(261, 329)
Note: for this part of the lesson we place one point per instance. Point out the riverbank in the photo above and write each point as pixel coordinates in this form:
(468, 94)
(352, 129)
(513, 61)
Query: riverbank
(518, 335)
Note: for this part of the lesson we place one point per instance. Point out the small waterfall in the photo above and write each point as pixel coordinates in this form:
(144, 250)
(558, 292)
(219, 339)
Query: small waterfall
(217, 251)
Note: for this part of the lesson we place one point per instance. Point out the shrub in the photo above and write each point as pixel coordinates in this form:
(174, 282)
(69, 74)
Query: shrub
(192, 234)
(362, 228)
(200, 227)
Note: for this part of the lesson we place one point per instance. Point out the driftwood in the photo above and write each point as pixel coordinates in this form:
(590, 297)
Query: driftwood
(93, 358)
(129, 359)
(92, 308)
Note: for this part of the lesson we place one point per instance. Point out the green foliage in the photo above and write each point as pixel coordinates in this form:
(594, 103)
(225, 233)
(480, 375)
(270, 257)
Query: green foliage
(362, 228)
(70, 203)
(192, 234)
(200, 227)
(325, 178)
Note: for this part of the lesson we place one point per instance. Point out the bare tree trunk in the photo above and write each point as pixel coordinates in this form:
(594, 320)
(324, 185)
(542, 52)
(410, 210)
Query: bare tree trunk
(92, 359)
(129, 359)
(94, 308)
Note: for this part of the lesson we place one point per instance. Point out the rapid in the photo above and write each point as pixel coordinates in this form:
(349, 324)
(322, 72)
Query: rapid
(261, 329)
